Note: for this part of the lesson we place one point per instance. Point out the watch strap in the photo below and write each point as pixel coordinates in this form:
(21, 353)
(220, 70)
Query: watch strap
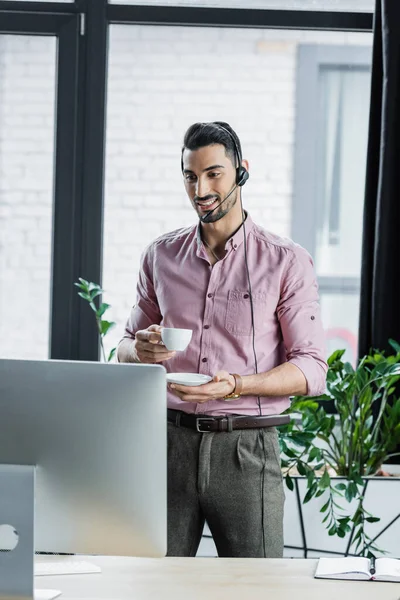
(237, 390)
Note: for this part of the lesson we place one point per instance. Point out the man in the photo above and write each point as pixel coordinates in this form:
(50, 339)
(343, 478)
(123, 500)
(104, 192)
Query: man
(253, 308)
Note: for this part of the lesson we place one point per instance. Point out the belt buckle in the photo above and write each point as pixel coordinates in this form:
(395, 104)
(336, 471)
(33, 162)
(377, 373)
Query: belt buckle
(198, 424)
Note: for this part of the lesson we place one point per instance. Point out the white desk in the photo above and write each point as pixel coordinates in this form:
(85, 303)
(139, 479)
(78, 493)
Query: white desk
(210, 579)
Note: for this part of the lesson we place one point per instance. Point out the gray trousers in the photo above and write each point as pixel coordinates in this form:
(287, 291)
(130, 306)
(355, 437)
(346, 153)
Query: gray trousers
(232, 480)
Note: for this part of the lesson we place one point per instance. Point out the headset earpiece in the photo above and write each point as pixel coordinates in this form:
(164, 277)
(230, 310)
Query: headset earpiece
(242, 173)
(242, 176)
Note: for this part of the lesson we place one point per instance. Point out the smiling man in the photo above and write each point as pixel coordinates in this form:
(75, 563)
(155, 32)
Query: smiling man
(251, 299)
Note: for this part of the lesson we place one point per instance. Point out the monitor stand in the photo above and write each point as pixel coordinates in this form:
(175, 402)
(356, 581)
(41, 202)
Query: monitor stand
(17, 494)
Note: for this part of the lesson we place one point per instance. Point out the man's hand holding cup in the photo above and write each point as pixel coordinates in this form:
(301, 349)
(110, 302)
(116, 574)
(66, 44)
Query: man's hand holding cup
(157, 344)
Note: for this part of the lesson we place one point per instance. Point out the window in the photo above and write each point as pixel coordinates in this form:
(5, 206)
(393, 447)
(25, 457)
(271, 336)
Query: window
(333, 93)
(27, 97)
(162, 79)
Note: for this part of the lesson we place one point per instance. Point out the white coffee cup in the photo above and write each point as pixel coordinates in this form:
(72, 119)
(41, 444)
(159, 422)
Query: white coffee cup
(176, 339)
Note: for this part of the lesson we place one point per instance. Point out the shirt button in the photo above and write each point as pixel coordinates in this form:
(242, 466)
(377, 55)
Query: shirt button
(246, 296)
(235, 246)
(312, 318)
(206, 327)
(210, 295)
(203, 360)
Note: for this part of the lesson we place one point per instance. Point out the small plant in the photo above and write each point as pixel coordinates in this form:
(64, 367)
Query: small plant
(90, 291)
(365, 433)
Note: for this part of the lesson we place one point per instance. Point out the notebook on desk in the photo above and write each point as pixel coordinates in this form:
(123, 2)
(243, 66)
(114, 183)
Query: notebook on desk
(359, 568)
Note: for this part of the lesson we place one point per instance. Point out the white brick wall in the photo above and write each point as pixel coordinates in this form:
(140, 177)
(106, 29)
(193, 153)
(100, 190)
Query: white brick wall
(161, 79)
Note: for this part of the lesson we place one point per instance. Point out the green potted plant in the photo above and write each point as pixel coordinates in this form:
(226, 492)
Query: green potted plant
(90, 291)
(335, 454)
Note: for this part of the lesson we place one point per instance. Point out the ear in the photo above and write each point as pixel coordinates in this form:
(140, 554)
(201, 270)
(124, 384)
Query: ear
(245, 164)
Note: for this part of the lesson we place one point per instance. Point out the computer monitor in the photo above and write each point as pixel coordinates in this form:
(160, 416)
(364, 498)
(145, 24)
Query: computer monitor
(96, 434)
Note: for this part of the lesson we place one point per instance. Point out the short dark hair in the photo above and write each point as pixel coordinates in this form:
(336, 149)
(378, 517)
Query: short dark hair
(204, 134)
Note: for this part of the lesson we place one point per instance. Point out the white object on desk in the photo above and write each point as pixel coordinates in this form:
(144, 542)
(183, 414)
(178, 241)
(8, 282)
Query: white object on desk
(358, 567)
(65, 567)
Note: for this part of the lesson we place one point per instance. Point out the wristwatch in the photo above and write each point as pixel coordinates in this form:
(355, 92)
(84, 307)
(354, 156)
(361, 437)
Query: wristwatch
(237, 389)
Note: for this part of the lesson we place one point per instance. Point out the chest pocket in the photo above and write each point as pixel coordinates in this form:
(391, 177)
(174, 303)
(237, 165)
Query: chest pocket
(238, 312)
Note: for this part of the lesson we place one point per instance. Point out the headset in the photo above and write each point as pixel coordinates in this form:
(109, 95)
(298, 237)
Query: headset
(242, 173)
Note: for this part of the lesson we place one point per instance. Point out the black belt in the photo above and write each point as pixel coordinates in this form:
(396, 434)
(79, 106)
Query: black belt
(229, 423)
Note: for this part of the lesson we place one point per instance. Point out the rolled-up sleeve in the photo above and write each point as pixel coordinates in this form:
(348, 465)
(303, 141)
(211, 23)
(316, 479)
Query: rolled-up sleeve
(299, 315)
(146, 311)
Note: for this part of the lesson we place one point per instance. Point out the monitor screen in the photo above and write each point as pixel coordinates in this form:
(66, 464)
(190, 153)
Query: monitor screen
(96, 434)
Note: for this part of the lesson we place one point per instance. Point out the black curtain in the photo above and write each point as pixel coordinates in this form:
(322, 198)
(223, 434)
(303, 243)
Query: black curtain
(380, 271)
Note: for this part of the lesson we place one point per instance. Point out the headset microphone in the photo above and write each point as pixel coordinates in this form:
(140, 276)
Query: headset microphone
(204, 218)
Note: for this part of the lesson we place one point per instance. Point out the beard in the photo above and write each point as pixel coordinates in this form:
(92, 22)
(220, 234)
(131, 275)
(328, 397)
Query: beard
(216, 214)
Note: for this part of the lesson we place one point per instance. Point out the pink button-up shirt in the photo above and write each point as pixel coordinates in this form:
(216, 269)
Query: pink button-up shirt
(177, 287)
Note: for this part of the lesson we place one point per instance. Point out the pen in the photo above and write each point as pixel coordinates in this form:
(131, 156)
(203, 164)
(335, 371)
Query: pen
(372, 569)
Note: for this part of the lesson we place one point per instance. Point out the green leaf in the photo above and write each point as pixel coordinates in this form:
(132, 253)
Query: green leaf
(324, 520)
(282, 443)
(341, 487)
(372, 519)
(290, 453)
(289, 482)
(357, 479)
(349, 494)
(105, 326)
(310, 476)
(315, 454)
(349, 370)
(83, 284)
(102, 309)
(325, 480)
(112, 354)
(301, 468)
(333, 530)
(319, 466)
(310, 494)
(325, 506)
(95, 293)
(335, 356)
(94, 286)
(84, 296)
(395, 345)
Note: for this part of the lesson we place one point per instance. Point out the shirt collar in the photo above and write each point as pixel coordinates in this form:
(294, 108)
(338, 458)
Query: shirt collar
(235, 241)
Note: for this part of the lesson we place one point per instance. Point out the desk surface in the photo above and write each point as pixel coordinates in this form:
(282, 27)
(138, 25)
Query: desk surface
(209, 579)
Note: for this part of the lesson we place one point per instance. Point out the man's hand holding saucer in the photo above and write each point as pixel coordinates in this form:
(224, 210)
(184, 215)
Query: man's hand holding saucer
(222, 384)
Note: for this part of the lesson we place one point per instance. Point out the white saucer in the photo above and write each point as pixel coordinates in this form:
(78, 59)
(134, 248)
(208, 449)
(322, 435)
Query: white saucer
(191, 379)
